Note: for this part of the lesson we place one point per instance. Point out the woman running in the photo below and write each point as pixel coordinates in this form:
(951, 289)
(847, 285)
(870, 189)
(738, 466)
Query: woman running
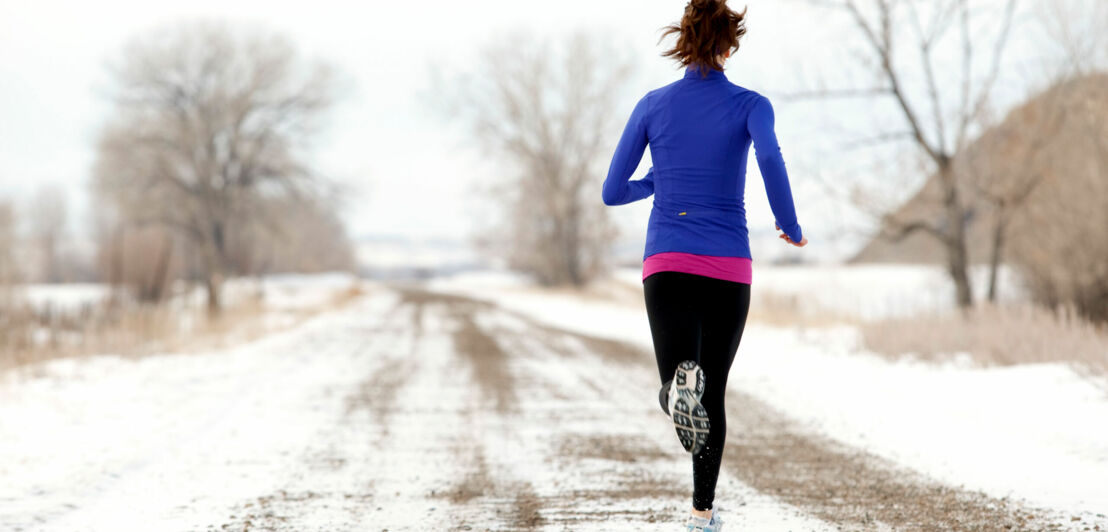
(697, 263)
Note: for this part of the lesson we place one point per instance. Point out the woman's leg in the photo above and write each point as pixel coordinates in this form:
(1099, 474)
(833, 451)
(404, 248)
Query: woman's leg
(671, 309)
(699, 318)
(723, 311)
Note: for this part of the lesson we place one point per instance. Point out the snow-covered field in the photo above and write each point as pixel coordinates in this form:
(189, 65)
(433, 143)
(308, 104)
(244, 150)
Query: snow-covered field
(507, 407)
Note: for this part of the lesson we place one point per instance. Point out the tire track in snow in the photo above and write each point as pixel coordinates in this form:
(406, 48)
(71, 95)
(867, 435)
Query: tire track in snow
(406, 452)
(486, 494)
(379, 391)
(583, 474)
(331, 485)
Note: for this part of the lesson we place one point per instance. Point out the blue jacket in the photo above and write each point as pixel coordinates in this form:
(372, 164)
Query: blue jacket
(700, 131)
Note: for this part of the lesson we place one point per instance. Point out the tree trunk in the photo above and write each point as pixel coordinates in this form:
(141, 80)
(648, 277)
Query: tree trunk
(957, 252)
(213, 269)
(161, 271)
(959, 273)
(573, 247)
(998, 248)
(214, 283)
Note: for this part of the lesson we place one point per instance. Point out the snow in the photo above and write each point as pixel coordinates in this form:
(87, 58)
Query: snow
(185, 441)
(1032, 432)
(1029, 431)
(292, 291)
(107, 443)
(63, 297)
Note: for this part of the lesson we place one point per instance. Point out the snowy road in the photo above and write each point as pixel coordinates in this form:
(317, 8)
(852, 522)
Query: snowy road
(416, 410)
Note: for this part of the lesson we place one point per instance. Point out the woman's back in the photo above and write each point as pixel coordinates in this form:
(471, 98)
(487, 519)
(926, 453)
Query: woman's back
(698, 140)
(700, 131)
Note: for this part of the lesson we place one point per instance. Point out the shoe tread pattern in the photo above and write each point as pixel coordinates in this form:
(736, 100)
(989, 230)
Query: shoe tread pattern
(690, 419)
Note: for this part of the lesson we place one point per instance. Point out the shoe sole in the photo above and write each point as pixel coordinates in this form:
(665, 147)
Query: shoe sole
(690, 419)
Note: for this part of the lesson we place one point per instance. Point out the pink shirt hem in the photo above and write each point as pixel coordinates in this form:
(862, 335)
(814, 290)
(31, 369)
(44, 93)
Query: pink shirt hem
(735, 269)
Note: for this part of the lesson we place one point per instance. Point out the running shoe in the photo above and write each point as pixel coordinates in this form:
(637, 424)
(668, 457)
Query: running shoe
(663, 396)
(690, 419)
(700, 524)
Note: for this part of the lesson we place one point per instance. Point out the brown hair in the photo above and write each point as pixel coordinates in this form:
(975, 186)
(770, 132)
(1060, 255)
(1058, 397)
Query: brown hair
(706, 30)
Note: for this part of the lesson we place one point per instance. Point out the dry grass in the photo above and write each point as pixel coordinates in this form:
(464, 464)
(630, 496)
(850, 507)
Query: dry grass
(995, 336)
(28, 337)
(784, 310)
(602, 290)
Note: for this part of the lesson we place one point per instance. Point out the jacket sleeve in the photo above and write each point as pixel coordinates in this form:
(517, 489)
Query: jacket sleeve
(760, 125)
(617, 189)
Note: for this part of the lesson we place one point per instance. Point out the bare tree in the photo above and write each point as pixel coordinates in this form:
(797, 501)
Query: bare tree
(905, 41)
(1012, 159)
(1076, 27)
(205, 120)
(1060, 241)
(1007, 163)
(9, 272)
(47, 218)
(547, 109)
(1060, 237)
(302, 235)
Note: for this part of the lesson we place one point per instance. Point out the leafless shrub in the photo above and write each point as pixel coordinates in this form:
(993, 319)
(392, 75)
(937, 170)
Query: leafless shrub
(1005, 166)
(290, 235)
(140, 260)
(1060, 241)
(47, 217)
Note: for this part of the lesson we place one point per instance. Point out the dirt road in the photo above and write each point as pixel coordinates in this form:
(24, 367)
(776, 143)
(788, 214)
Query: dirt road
(475, 418)
(413, 410)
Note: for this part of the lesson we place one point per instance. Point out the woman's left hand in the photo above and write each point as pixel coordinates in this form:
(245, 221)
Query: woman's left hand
(803, 240)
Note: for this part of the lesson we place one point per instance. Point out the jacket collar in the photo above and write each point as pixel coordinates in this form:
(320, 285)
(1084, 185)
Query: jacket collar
(691, 72)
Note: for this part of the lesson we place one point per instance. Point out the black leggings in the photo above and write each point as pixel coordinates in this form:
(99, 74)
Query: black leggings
(693, 317)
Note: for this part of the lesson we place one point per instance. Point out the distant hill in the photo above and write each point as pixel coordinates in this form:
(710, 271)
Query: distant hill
(1022, 123)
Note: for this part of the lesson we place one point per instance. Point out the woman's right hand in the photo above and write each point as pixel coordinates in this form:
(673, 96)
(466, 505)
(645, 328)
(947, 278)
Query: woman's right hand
(803, 240)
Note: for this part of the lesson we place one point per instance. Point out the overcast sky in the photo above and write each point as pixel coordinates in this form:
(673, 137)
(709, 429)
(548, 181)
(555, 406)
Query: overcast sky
(408, 169)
